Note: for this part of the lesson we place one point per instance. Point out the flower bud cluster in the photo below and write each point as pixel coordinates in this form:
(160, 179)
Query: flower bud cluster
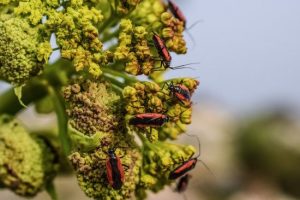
(153, 15)
(149, 97)
(133, 49)
(92, 106)
(95, 112)
(159, 159)
(78, 37)
(27, 163)
(22, 51)
(91, 170)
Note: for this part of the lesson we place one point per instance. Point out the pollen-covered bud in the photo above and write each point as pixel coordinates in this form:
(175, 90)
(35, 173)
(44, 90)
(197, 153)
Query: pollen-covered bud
(159, 111)
(92, 107)
(153, 15)
(21, 55)
(27, 162)
(160, 158)
(91, 167)
(133, 49)
(172, 33)
(78, 37)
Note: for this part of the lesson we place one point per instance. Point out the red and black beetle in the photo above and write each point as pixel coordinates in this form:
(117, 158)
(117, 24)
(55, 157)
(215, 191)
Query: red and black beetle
(183, 168)
(177, 12)
(187, 165)
(162, 50)
(114, 170)
(149, 120)
(181, 92)
(165, 56)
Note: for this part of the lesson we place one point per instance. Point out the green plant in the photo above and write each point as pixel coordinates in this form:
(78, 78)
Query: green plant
(95, 92)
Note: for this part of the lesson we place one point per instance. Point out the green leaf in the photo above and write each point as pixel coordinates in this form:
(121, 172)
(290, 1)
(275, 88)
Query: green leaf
(18, 92)
(62, 120)
(50, 188)
(83, 142)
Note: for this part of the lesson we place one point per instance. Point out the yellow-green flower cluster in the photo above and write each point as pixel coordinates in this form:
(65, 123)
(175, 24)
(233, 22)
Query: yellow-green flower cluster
(153, 15)
(93, 106)
(78, 37)
(149, 97)
(27, 163)
(22, 50)
(35, 10)
(95, 113)
(91, 169)
(159, 159)
(133, 49)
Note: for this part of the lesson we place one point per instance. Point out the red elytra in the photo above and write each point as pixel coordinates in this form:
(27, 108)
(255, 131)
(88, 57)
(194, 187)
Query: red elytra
(181, 92)
(162, 50)
(114, 171)
(148, 120)
(151, 115)
(177, 12)
(183, 168)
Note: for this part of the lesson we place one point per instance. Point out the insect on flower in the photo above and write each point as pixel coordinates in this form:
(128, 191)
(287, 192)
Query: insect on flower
(187, 165)
(149, 120)
(164, 54)
(162, 50)
(181, 92)
(176, 12)
(114, 170)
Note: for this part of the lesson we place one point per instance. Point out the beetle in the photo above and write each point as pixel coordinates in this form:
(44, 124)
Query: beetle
(181, 92)
(149, 120)
(187, 165)
(183, 183)
(176, 12)
(114, 170)
(165, 56)
(183, 168)
(162, 50)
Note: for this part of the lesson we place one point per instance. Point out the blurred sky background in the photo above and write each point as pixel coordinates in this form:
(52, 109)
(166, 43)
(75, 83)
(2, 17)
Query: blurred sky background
(249, 52)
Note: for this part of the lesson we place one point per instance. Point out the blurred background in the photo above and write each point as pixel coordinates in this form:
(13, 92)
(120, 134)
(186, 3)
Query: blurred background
(247, 108)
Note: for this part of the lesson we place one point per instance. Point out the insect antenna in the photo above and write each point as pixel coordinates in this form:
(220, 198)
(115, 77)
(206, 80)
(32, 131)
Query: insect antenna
(190, 35)
(184, 66)
(207, 168)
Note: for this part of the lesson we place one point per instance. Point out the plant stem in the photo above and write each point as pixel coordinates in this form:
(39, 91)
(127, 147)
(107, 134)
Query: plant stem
(120, 74)
(36, 88)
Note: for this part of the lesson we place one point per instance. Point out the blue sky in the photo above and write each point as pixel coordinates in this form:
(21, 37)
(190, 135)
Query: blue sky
(249, 52)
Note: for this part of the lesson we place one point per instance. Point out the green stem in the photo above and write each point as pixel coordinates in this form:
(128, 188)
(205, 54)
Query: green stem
(120, 74)
(36, 89)
(114, 81)
(33, 91)
(62, 120)
(108, 37)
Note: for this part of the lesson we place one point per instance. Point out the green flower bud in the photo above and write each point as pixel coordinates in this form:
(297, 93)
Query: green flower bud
(21, 55)
(153, 15)
(92, 107)
(133, 49)
(159, 159)
(27, 163)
